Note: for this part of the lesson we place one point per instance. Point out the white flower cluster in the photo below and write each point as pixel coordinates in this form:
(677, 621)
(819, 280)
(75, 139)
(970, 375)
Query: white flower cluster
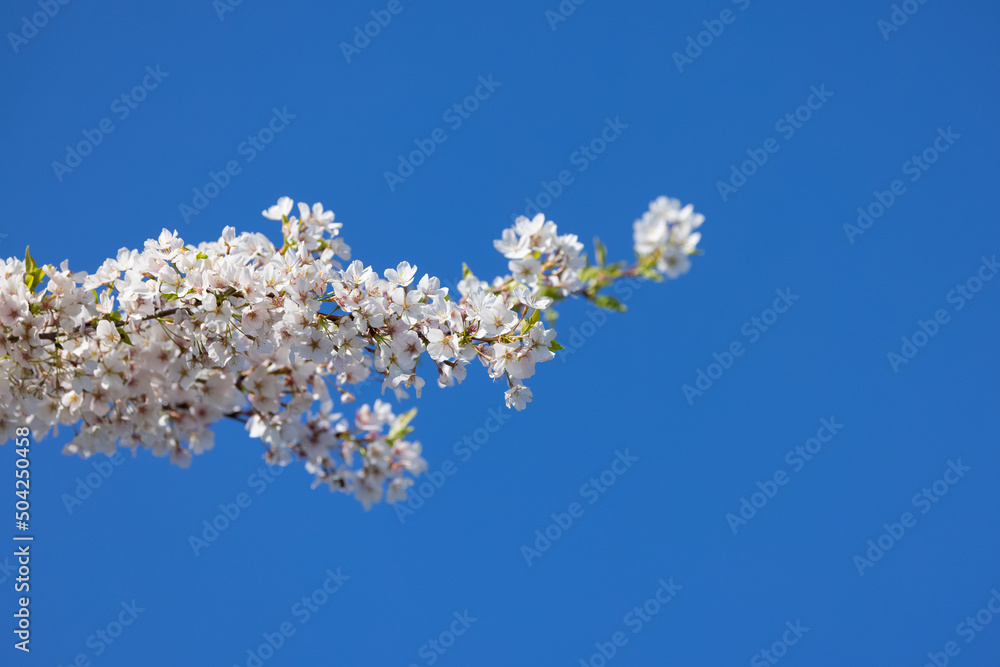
(667, 230)
(157, 345)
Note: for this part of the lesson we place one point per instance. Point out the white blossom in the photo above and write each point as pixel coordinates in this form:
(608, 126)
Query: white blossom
(666, 232)
(157, 345)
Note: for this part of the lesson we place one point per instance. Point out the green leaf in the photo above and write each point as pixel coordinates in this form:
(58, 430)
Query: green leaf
(466, 271)
(406, 417)
(651, 273)
(529, 321)
(201, 255)
(549, 291)
(399, 434)
(34, 279)
(600, 252)
(609, 303)
(588, 273)
(169, 297)
(554, 346)
(401, 428)
(33, 274)
(124, 336)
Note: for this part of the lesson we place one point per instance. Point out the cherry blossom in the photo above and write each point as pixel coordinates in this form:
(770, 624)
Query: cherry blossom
(157, 345)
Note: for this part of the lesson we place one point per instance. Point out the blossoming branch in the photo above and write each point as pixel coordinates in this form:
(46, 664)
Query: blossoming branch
(157, 345)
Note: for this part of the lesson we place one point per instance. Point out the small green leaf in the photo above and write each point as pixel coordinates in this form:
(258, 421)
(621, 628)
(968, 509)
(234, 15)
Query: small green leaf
(554, 346)
(124, 336)
(401, 428)
(399, 434)
(201, 255)
(33, 279)
(651, 273)
(588, 273)
(600, 251)
(407, 417)
(609, 303)
(466, 271)
(549, 291)
(170, 297)
(529, 321)
(33, 274)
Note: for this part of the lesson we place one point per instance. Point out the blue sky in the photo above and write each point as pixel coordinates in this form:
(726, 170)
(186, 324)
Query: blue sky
(895, 120)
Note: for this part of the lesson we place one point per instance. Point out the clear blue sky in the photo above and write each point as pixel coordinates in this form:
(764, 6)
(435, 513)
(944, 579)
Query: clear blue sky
(885, 96)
